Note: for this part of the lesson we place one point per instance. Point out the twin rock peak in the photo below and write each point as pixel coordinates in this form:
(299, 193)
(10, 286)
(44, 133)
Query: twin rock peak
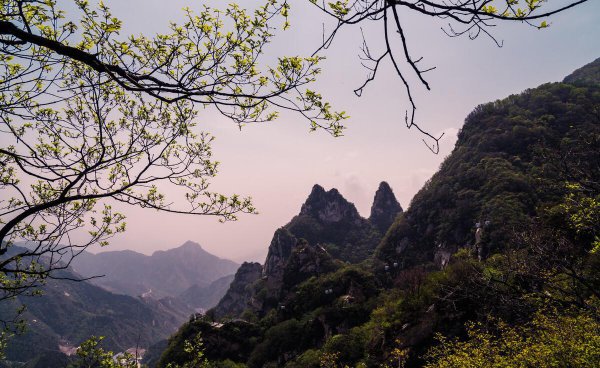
(297, 250)
(331, 207)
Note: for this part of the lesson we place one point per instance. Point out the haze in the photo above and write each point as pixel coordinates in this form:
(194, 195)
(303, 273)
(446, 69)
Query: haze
(277, 163)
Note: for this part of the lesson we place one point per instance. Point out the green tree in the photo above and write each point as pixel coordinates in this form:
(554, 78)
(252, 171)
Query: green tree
(550, 340)
(88, 116)
(195, 355)
(91, 355)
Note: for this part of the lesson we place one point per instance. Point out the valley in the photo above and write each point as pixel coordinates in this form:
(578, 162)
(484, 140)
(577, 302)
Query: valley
(394, 235)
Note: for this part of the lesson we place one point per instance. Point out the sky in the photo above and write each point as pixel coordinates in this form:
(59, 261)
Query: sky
(278, 163)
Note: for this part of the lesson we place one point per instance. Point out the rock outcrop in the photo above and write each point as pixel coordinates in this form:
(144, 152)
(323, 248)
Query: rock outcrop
(328, 219)
(305, 261)
(329, 207)
(240, 294)
(385, 208)
(279, 251)
(327, 230)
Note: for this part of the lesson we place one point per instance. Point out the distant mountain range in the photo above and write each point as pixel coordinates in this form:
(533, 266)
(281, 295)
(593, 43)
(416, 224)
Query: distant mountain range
(69, 312)
(139, 301)
(505, 231)
(163, 274)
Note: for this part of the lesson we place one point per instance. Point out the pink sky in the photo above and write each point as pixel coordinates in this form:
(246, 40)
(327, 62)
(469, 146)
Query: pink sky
(278, 163)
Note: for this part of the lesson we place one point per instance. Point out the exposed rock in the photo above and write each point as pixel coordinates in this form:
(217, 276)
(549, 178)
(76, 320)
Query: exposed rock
(306, 261)
(385, 208)
(240, 293)
(327, 228)
(442, 256)
(279, 251)
(328, 219)
(328, 207)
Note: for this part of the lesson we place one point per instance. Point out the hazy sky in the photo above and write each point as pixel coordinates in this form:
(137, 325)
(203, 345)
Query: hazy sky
(278, 163)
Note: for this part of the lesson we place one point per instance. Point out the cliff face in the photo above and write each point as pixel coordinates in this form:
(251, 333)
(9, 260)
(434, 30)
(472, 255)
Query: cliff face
(327, 230)
(328, 219)
(306, 261)
(329, 207)
(280, 250)
(240, 294)
(385, 208)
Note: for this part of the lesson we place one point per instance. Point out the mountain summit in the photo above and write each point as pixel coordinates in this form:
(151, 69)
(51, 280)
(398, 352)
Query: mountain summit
(327, 218)
(326, 234)
(385, 208)
(328, 207)
(164, 273)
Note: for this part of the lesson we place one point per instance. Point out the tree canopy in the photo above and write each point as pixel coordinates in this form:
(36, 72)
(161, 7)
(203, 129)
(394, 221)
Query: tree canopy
(87, 116)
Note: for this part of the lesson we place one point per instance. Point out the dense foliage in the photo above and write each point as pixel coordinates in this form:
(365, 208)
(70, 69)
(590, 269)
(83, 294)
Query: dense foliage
(527, 169)
(550, 340)
(70, 312)
(431, 297)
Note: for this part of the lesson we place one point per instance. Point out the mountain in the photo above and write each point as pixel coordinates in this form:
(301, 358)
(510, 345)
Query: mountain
(328, 219)
(69, 312)
(203, 298)
(163, 274)
(385, 208)
(501, 240)
(588, 74)
(327, 232)
(240, 292)
(503, 172)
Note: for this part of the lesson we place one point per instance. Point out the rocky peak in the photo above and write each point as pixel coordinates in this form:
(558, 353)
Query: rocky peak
(328, 206)
(281, 247)
(248, 272)
(385, 207)
(239, 294)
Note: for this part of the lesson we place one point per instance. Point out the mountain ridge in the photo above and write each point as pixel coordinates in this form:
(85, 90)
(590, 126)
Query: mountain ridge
(70, 312)
(164, 273)
(327, 232)
(475, 246)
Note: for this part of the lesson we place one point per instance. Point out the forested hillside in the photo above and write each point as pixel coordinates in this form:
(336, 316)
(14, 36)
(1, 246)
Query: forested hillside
(70, 312)
(499, 250)
(132, 300)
